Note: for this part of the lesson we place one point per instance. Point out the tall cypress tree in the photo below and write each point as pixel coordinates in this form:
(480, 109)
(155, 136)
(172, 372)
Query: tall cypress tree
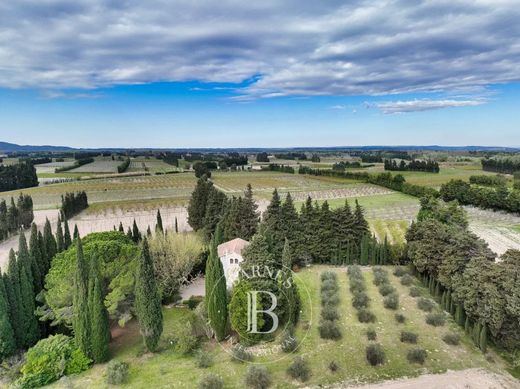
(35, 253)
(60, 241)
(176, 225)
(159, 224)
(99, 324)
(360, 223)
(121, 228)
(67, 241)
(274, 225)
(216, 295)
(49, 245)
(29, 322)
(136, 235)
(287, 285)
(12, 286)
(148, 300)
(24, 259)
(7, 339)
(291, 222)
(248, 214)
(75, 235)
(81, 314)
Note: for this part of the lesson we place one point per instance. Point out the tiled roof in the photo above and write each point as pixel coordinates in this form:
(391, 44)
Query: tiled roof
(234, 246)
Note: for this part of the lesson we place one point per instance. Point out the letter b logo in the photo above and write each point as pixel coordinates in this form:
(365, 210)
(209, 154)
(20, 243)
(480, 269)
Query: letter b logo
(252, 312)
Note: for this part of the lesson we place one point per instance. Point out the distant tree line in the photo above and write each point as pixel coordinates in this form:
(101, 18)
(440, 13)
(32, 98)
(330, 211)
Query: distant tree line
(170, 158)
(274, 167)
(292, 156)
(15, 216)
(73, 203)
(501, 165)
(262, 157)
(485, 180)
(18, 176)
(414, 165)
(38, 161)
(497, 198)
(76, 164)
(343, 165)
(124, 165)
(463, 276)
(370, 158)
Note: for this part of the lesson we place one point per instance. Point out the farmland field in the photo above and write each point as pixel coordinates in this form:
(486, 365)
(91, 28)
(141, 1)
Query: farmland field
(100, 165)
(156, 370)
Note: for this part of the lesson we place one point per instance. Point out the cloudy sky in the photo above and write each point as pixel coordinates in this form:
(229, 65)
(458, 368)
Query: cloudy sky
(224, 73)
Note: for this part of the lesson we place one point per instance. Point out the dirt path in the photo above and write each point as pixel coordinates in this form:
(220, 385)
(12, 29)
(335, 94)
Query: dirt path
(464, 379)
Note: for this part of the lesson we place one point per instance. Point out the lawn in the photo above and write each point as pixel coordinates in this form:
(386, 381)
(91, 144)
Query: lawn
(169, 369)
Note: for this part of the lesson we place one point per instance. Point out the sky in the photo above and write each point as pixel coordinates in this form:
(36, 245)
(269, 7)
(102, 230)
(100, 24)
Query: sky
(158, 73)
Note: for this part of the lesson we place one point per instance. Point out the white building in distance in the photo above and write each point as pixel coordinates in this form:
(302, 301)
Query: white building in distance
(230, 254)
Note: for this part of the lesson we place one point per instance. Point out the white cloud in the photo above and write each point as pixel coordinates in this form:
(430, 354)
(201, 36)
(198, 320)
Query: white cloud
(424, 105)
(289, 48)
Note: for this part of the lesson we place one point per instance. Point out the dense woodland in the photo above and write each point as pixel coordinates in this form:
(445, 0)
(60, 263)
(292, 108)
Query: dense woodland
(506, 165)
(18, 176)
(15, 216)
(412, 166)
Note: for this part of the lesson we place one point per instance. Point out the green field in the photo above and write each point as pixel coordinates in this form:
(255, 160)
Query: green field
(169, 369)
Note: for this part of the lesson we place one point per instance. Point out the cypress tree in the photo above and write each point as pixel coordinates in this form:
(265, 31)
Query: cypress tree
(121, 228)
(360, 223)
(136, 235)
(176, 225)
(467, 325)
(7, 339)
(24, 259)
(159, 225)
(483, 339)
(99, 324)
(129, 233)
(148, 300)
(274, 225)
(75, 234)
(50, 243)
(288, 286)
(198, 203)
(60, 240)
(29, 322)
(476, 334)
(325, 234)
(67, 241)
(459, 315)
(81, 314)
(36, 256)
(216, 296)
(12, 287)
(438, 291)
(248, 214)
(148, 232)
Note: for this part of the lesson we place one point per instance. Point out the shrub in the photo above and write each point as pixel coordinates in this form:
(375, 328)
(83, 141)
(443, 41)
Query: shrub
(400, 318)
(185, 341)
(408, 337)
(375, 354)
(257, 377)
(357, 286)
(451, 338)
(354, 271)
(407, 280)
(415, 291)
(330, 299)
(329, 285)
(299, 369)
(436, 319)
(329, 330)
(425, 304)
(386, 289)
(391, 301)
(329, 313)
(240, 354)
(416, 355)
(50, 359)
(117, 372)
(289, 342)
(333, 366)
(366, 316)
(211, 381)
(371, 334)
(328, 275)
(380, 278)
(360, 300)
(400, 271)
(204, 360)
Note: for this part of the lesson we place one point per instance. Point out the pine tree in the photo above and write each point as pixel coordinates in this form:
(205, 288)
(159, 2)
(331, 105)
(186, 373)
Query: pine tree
(216, 296)
(60, 240)
(148, 300)
(67, 241)
(274, 225)
(7, 339)
(81, 314)
(360, 223)
(230, 222)
(291, 225)
(159, 224)
(36, 256)
(248, 215)
(99, 324)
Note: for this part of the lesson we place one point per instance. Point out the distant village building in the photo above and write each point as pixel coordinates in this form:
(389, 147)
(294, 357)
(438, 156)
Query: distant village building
(230, 254)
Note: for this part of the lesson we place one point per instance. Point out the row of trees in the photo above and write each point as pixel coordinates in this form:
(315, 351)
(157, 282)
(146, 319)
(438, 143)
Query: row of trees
(484, 180)
(274, 167)
(123, 166)
(18, 176)
(484, 292)
(76, 164)
(414, 165)
(73, 203)
(498, 198)
(16, 216)
(501, 165)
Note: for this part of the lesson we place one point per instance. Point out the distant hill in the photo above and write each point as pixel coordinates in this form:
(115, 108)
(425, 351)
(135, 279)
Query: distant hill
(6, 147)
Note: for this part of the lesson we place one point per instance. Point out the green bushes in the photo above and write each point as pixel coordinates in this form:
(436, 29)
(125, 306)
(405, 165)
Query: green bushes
(415, 291)
(240, 354)
(400, 318)
(366, 316)
(299, 369)
(360, 300)
(425, 304)
(117, 373)
(371, 334)
(386, 289)
(416, 355)
(407, 280)
(204, 360)
(391, 301)
(289, 342)
(51, 359)
(451, 338)
(375, 354)
(408, 337)
(257, 377)
(400, 271)
(436, 319)
(328, 327)
(211, 381)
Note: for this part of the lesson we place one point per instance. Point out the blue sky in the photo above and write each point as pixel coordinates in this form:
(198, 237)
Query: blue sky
(276, 74)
